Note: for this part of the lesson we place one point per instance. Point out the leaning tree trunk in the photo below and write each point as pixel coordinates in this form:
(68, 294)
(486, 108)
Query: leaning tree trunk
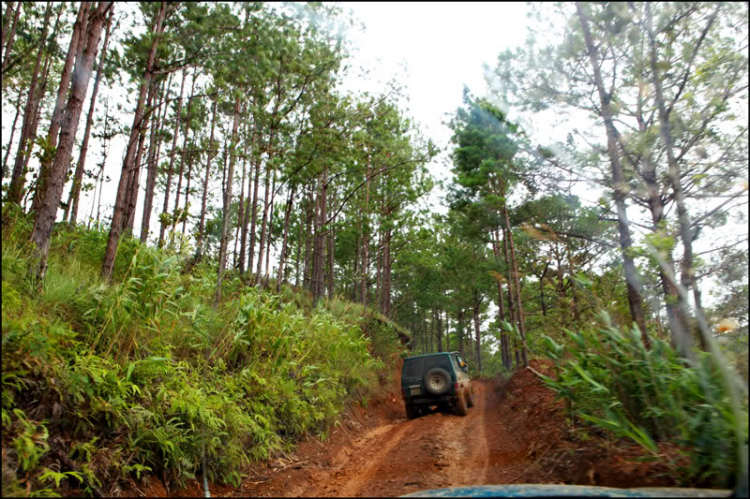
(687, 271)
(7, 45)
(18, 178)
(47, 213)
(152, 163)
(635, 300)
(135, 176)
(75, 191)
(12, 134)
(127, 166)
(75, 51)
(48, 58)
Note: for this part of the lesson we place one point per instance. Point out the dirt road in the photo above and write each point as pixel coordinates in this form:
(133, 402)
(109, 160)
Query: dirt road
(434, 451)
(516, 433)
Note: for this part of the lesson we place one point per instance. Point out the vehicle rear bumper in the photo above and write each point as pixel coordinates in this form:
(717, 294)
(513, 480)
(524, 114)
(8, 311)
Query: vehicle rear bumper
(428, 401)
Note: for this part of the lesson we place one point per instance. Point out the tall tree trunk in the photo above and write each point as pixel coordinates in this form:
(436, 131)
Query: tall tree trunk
(75, 190)
(127, 166)
(183, 153)
(264, 222)
(573, 294)
(254, 211)
(245, 208)
(47, 210)
(186, 204)
(365, 233)
(504, 350)
(135, 176)
(460, 330)
(477, 336)
(75, 50)
(100, 178)
(319, 243)
(227, 200)
(204, 198)
(310, 212)
(512, 311)
(12, 134)
(168, 188)
(519, 302)
(268, 238)
(153, 163)
(7, 45)
(687, 272)
(48, 58)
(439, 325)
(330, 276)
(298, 254)
(285, 241)
(378, 267)
(635, 300)
(18, 178)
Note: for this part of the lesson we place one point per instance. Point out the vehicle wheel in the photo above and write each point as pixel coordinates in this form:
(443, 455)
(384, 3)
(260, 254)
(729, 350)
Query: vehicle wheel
(470, 402)
(437, 381)
(412, 412)
(461, 408)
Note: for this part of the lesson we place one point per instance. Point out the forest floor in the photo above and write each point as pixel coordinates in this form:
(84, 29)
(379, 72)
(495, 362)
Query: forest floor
(516, 433)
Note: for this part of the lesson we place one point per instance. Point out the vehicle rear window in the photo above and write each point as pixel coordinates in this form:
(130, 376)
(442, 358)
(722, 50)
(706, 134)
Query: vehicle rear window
(441, 361)
(413, 368)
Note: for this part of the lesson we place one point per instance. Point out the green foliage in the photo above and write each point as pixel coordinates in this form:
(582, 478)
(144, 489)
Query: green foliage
(145, 369)
(612, 381)
(31, 442)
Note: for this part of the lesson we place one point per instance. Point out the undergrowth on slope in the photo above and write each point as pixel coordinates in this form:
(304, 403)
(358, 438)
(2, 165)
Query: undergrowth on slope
(610, 380)
(139, 377)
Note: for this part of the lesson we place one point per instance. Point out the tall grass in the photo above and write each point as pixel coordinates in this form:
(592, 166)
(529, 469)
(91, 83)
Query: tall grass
(650, 396)
(143, 374)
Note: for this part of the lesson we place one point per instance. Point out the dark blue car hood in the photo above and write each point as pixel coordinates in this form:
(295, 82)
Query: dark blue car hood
(547, 490)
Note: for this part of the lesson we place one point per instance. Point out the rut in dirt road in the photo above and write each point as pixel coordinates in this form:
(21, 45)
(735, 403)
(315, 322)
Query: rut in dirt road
(434, 451)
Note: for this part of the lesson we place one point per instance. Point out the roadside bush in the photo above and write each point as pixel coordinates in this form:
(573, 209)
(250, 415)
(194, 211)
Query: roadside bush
(610, 380)
(146, 375)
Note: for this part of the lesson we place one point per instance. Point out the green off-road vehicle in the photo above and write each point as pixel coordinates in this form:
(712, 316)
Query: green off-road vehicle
(436, 379)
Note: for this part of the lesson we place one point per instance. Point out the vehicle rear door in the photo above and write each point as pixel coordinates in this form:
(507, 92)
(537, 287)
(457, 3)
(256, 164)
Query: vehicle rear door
(411, 377)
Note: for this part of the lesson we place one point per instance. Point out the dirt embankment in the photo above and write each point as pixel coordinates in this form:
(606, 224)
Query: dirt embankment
(516, 433)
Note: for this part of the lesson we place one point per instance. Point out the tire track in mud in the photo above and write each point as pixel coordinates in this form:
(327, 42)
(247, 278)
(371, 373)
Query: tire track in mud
(468, 443)
(434, 451)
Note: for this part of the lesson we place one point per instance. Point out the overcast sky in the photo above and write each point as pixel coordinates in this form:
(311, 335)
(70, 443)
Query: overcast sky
(433, 49)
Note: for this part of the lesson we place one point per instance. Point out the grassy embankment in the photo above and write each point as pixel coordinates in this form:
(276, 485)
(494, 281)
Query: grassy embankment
(144, 376)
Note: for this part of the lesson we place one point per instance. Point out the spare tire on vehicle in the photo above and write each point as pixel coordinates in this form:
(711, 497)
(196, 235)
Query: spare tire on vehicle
(437, 381)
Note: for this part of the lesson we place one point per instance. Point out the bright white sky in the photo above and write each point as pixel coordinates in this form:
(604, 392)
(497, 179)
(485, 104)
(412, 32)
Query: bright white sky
(433, 49)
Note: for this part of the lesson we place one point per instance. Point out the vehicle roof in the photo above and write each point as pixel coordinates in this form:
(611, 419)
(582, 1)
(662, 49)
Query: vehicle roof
(430, 355)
